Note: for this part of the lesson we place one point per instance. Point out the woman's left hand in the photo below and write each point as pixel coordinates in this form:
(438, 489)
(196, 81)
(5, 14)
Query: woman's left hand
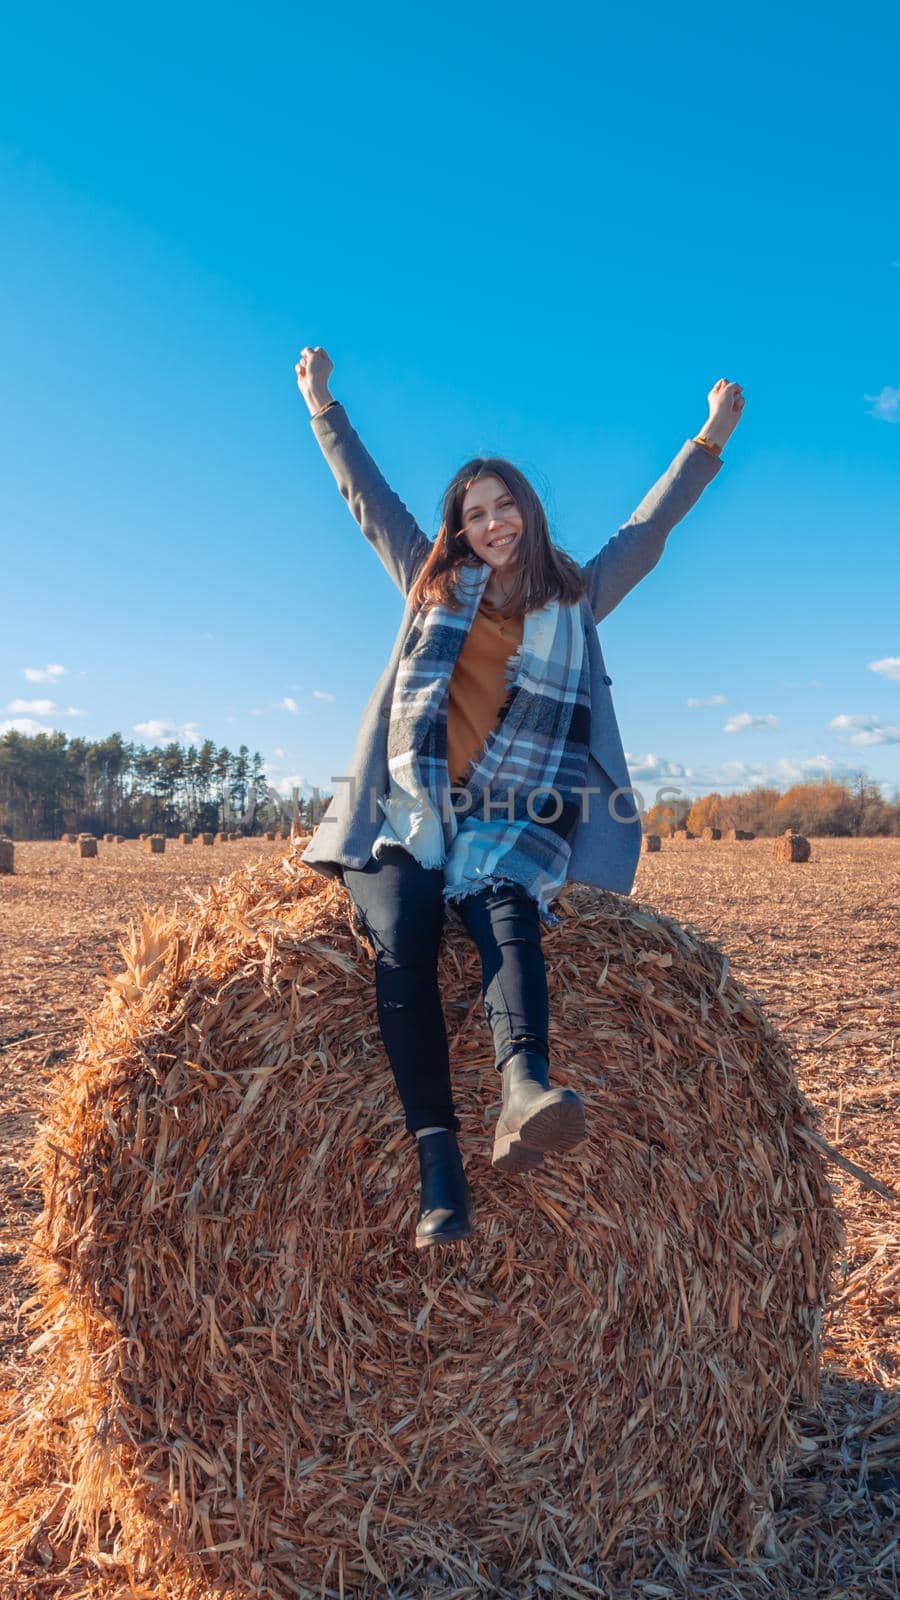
(726, 403)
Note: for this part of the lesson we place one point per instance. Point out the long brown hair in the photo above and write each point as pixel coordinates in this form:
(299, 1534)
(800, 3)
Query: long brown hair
(544, 572)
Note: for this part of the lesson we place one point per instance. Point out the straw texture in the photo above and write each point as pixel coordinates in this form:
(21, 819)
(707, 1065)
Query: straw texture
(249, 1374)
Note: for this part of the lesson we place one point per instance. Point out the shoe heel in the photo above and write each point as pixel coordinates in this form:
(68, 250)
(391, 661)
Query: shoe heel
(511, 1155)
(558, 1125)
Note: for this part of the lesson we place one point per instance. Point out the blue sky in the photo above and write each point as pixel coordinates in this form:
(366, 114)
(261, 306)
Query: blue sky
(531, 232)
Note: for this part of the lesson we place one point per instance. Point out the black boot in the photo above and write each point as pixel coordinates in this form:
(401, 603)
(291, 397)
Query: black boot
(446, 1210)
(534, 1118)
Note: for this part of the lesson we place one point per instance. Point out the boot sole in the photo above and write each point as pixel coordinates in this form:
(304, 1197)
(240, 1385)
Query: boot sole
(449, 1236)
(558, 1126)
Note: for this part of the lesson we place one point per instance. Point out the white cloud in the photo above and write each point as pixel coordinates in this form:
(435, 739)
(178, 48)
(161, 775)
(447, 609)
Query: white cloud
(321, 694)
(278, 753)
(156, 729)
(44, 708)
(191, 732)
(746, 719)
(711, 700)
(724, 777)
(46, 674)
(650, 766)
(40, 708)
(886, 405)
(888, 666)
(25, 725)
(287, 704)
(862, 730)
(285, 786)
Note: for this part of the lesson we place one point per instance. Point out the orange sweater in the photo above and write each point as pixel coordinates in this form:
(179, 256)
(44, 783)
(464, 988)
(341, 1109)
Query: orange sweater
(478, 687)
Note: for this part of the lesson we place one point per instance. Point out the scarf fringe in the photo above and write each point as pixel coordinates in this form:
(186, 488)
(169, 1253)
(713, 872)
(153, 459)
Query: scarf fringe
(452, 897)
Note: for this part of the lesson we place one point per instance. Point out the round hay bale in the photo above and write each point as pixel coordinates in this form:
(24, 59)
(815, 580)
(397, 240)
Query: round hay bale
(222, 838)
(711, 833)
(109, 838)
(142, 837)
(205, 838)
(185, 838)
(270, 834)
(7, 855)
(791, 847)
(155, 844)
(120, 838)
(68, 838)
(87, 846)
(650, 842)
(234, 1322)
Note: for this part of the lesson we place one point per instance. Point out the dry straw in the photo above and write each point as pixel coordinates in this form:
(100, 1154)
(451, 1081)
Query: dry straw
(791, 847)
(7, 855)
(245, 1374)
(87, 846)
(155, 844)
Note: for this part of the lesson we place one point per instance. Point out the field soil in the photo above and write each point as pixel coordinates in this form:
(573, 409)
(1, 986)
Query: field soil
(817, 942)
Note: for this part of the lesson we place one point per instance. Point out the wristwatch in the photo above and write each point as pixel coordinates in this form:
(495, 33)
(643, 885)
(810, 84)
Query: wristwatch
(708, 444)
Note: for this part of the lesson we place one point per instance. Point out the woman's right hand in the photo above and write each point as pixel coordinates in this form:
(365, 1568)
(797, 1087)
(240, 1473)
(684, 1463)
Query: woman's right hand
(313, 371)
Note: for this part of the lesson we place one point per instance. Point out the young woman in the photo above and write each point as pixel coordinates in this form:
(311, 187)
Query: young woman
(488, 772)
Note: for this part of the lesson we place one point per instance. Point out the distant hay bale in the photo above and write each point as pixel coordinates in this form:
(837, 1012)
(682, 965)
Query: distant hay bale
(791, 847)
(7, 855)
(737, 833)
(711, 833)
(109, 838)
(185, 838)
(222, 838)
(246, 1368)
(651, 842)
(87, 846)
(232, 836)
(68, 838)
(682, 835)
(155, 844)
(269, 835)
(119, 838)
(143, 836)
(205, 838)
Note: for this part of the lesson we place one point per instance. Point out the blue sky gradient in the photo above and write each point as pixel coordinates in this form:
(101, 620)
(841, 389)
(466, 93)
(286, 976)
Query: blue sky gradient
(517, 230)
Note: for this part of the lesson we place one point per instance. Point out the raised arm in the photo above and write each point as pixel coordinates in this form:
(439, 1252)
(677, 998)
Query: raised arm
(381, 514)
(633, 552)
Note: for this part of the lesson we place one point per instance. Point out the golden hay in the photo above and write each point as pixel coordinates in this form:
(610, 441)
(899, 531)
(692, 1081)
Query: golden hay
(711, 833)
(222, 838)
(7, 855)
(249, 1374)
(205, 838)
(650, 843)
(185, 838)
(791, 847)
(87, 846)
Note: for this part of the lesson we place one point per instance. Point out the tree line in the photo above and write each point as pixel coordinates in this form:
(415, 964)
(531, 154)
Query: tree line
(51, 784)
(821, 806)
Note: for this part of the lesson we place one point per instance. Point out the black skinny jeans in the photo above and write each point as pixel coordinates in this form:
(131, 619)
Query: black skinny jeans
(401, 907)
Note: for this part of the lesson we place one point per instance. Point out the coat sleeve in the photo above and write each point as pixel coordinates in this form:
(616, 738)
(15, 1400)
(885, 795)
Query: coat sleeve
(381, 514)
(633, 552)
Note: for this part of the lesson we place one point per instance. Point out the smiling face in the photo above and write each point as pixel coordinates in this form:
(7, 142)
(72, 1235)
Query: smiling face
(492, 522)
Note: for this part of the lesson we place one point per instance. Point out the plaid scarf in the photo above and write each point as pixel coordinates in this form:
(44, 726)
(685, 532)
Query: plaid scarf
(482, 831)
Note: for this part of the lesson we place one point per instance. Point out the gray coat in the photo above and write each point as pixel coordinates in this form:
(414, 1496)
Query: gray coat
(607, 842)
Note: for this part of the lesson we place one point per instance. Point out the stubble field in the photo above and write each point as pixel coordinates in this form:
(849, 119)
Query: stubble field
(818, 942)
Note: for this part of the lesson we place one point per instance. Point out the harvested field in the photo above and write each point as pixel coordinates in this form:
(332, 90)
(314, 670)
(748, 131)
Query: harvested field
(818, 942)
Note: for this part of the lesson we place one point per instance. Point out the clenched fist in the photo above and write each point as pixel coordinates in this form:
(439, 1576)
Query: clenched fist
(726, 402)
(313, 371)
